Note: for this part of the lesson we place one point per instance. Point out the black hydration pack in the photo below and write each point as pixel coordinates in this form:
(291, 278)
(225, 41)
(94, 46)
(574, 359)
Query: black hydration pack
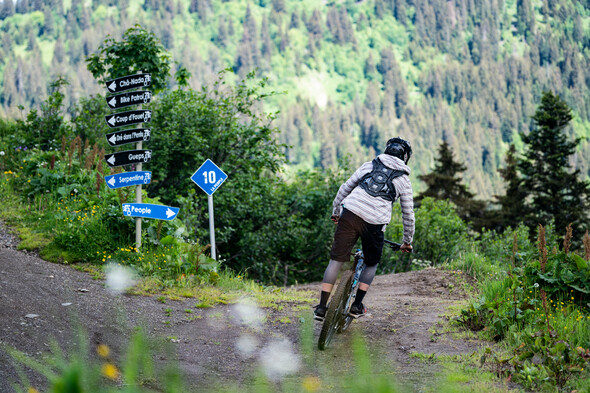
(378, 182)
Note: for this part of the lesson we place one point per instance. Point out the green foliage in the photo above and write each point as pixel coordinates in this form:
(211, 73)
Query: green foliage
(82, 371)
(219, 124)
(138, 51)
(565, 275)
(538, 305)
(440, 233)
(45, 130)
(88, 120)
(445, 183)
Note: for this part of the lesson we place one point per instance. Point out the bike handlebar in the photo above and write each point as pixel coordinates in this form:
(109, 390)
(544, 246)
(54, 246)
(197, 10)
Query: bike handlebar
(393, 245)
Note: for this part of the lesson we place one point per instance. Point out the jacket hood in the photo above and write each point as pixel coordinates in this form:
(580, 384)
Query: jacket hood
(394, 163)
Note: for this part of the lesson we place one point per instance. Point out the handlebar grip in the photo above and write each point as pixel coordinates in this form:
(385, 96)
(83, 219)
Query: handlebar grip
(393, 245)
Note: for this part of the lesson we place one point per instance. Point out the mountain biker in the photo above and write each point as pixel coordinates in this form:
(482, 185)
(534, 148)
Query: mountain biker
(362, 208)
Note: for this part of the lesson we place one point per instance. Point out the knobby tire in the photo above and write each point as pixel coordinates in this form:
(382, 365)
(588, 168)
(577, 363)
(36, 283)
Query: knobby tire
(335, 313)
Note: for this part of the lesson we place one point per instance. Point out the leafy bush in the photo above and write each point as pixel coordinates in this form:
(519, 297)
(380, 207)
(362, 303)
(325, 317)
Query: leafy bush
(440, 233)
(540, 308)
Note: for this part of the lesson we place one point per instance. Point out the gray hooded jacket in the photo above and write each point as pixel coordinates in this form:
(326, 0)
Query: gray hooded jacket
(376, 210)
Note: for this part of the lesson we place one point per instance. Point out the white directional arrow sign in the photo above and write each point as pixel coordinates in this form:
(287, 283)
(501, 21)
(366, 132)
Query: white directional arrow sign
(112, 180)
(112, 121)
(113, 102)
(129, 82)
(148, 210)
(111, 160)
(124, 137)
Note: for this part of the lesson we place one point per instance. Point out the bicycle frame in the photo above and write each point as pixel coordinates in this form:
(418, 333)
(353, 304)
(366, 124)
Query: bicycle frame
(337, 318)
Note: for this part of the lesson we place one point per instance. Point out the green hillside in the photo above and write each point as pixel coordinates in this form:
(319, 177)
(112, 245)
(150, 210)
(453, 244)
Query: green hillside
(354, 73)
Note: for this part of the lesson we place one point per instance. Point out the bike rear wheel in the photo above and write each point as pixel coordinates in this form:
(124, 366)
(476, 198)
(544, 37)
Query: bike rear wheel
(336, 313)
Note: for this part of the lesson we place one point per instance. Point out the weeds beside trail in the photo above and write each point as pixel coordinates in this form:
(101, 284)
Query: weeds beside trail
(538, 306)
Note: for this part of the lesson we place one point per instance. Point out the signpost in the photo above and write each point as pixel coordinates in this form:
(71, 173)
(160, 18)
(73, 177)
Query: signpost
(128, 179)
(128, 136)
(148, 210)
(137, 156)
(128, 157)
(127, 99)
(209, 178)
(129, 117)
(129, 82)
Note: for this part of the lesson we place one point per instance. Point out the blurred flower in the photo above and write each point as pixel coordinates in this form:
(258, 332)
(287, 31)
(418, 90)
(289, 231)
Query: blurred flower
(311, 384)
(247, 345)
(1, 154)
(248, 313)
(110, 371)
(103, 350)
(119, 278)
(278, 360)
(32, 390)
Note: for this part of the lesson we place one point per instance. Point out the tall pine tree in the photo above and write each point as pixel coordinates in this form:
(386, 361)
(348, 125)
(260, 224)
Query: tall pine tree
(556, 192)
(445, 183)
(512, 204)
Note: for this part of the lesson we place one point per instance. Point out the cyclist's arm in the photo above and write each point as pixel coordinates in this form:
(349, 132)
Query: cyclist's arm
(349, 185)
(406, 200)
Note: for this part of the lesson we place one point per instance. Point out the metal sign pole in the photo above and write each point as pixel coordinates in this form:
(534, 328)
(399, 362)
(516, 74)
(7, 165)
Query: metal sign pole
(138, 200)
(139, 167)
(211, 226)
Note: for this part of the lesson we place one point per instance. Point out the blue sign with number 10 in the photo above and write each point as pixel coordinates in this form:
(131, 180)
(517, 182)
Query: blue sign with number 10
(209, 177)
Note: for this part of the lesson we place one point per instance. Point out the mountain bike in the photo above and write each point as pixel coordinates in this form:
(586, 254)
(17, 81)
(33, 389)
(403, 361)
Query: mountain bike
(337, 319)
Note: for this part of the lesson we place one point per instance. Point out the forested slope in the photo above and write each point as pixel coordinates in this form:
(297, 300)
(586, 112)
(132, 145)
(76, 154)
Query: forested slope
(354, 73)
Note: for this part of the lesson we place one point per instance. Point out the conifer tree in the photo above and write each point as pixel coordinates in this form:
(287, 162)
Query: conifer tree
(445, 183)
(512, 204)
(556, 192)
(6, 9)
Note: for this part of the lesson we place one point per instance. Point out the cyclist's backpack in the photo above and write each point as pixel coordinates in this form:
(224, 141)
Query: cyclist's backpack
(378, 182)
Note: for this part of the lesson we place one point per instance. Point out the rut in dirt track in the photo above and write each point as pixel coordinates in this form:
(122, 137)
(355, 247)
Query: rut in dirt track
(41, 301)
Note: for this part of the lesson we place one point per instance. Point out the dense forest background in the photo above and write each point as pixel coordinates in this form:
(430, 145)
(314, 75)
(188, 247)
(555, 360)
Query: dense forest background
(354, 73)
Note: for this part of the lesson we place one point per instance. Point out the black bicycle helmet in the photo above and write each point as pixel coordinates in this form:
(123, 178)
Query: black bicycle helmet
(399, 148)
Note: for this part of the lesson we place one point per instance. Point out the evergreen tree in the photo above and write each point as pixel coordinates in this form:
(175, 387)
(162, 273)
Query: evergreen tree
(6, 9)
(512, 203)
(445, 183)
(556, 192)
(22, 6)
(49, 24)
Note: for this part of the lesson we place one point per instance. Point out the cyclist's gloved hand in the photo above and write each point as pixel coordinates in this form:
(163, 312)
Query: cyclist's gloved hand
(406, 247)
(335, 219)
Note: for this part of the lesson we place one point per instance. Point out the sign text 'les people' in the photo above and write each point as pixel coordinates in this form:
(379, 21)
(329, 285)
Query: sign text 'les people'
(148, 210)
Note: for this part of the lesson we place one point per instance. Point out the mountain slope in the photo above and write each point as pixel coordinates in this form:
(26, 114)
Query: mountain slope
(354, 73)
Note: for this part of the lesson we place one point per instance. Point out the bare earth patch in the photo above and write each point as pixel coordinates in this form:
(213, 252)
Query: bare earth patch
(226, 344)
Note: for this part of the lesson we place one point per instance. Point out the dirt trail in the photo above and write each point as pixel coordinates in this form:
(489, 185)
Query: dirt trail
(39, 300)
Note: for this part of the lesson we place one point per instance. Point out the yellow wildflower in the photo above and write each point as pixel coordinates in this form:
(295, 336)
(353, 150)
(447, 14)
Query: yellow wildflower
(103, 350)
(110, 371)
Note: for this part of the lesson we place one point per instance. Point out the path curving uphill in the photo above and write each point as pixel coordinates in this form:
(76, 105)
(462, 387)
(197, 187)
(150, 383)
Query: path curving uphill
(41, 301)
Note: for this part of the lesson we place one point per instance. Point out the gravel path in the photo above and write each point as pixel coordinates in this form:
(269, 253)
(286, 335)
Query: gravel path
(42, 301)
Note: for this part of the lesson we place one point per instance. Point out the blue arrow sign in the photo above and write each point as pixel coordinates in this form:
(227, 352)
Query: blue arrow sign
(128, 179)
(209, 177)
(148, 210)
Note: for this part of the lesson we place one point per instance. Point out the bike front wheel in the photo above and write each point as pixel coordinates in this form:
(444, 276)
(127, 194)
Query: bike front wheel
(336, 313)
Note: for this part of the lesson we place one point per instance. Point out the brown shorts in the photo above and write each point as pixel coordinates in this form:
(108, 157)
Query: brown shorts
(350, 228)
